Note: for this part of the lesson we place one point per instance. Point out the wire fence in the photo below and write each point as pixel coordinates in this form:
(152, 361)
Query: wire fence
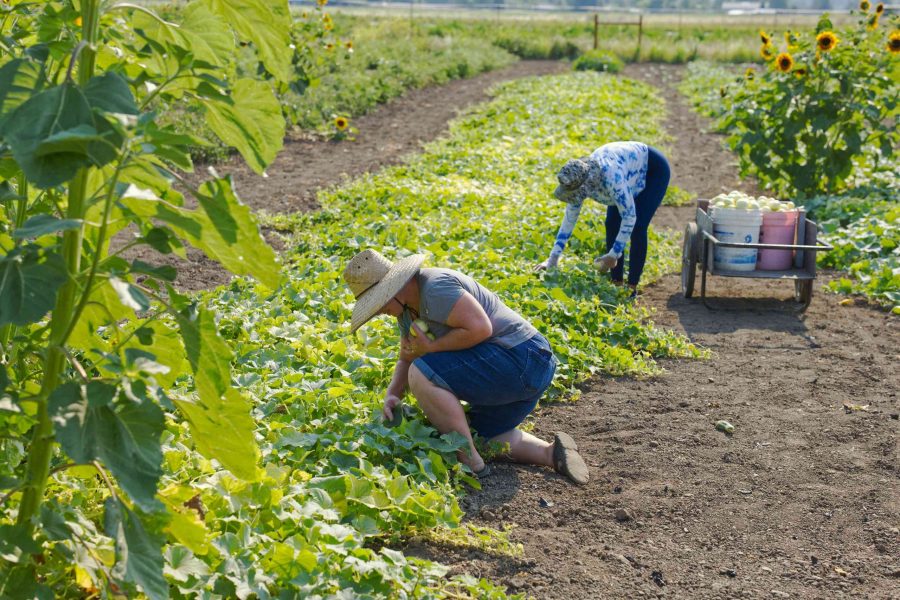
(650, 17)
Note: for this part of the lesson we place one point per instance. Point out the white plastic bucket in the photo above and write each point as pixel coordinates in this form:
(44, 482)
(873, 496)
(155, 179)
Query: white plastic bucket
(736, 226)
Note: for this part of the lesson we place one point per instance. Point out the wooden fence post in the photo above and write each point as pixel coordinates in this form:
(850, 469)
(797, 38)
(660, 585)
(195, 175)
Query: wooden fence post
(596, 29)
(640, 34)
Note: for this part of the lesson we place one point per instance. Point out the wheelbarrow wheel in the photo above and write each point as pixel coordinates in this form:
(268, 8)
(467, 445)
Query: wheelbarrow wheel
(803, 291)
(689, 252)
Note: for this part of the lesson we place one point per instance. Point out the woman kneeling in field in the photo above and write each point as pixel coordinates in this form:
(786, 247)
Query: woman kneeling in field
(483, 352)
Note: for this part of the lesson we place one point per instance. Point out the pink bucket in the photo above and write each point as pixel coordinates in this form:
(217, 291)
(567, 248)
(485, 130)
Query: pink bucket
(777, 228)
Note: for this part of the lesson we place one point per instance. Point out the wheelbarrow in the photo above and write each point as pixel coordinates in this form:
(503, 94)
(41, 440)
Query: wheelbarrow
(700, 243)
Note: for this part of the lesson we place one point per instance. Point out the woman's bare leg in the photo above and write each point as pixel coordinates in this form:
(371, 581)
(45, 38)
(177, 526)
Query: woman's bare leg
(526, 448)
(445, 412)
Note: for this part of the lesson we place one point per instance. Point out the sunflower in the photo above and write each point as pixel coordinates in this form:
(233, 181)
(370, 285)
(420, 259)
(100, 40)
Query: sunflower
(790, 39)
(826, 41)
(864, 5)
(348, 45)
(785, 62)
(750, 74)
(879, 8)
(765, 38)
(800, 72)
(321, 2)
(77, 21)
(894, 41)
(872, 22)
(767, 51)
(341, 123)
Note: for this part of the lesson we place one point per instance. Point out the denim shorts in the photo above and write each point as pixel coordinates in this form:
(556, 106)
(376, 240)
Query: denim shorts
(501, 385)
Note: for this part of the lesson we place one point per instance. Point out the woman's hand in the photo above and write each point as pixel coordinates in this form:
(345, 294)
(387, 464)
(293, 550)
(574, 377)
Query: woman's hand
(606, 262)
(391, 402)
(419, 344)
(547, 264)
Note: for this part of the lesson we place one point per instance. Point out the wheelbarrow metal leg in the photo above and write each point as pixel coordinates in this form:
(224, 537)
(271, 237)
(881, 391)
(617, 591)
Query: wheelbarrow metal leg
(705, 260)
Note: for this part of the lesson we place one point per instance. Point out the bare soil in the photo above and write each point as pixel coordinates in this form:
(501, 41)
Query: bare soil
(801, 501)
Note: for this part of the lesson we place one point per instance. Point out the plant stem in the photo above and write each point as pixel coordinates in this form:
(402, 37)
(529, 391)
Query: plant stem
(37, 471)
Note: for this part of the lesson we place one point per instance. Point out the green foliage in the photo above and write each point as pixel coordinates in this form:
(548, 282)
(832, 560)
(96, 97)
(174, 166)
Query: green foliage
(568, 38)
(805, 123)
(864, 229)
(706, 86)
(598, 60)
(386, 59)
(90, 344)
(675, 196)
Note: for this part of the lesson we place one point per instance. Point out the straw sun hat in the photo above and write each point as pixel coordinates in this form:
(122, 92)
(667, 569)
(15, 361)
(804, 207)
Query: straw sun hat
(374, 280)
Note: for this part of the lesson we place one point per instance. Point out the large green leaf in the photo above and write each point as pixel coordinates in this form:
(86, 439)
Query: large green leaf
(29, 281)
(251, 121)
(53, 134)
(102, 309)
(19, 80)
(237, 242)
(223, 228)
(138, 552)
(44, 224)
(124, 435)
(110, 93)
(220, 418)
(16, 544)
(210, 37)
(147, 172)
(266, 23)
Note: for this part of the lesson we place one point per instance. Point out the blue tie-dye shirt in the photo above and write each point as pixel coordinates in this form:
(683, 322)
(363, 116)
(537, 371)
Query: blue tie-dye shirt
(623, 166)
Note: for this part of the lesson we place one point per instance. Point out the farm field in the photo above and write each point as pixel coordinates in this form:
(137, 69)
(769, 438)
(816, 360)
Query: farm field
(780, 378)
(190, 434)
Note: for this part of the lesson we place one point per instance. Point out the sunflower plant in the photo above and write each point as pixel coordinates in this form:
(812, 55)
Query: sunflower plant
(825, 105)
(91, 343)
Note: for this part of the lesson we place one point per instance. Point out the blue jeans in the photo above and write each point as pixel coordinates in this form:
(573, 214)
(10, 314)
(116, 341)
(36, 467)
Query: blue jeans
(645, 204)
(501, 385)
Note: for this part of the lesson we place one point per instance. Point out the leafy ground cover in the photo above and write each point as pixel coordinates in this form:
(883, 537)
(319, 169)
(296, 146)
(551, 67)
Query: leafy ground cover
(864, 229)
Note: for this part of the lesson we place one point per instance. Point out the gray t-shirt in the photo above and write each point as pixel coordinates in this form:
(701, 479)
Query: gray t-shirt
(439, 289)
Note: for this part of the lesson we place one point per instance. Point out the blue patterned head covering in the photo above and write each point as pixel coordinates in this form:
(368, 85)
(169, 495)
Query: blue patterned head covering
(578, 179)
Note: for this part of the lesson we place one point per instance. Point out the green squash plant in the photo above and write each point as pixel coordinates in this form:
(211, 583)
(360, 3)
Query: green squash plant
(91, 342)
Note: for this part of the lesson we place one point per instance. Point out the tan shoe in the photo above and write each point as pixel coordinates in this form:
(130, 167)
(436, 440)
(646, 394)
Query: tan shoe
(566, 459)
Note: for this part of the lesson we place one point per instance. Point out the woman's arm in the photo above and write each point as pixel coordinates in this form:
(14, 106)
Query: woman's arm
(469, 326)
(397, 388)
(565, 232)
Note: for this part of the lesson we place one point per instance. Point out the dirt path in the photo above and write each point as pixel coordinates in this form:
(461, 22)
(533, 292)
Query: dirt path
(802, 501)
(386, 136)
